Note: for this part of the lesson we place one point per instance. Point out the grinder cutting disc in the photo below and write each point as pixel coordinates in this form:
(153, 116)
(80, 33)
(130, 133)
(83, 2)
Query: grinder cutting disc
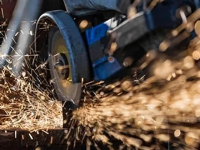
(60, 69)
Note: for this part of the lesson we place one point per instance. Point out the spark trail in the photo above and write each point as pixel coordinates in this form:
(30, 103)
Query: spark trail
(160, 113)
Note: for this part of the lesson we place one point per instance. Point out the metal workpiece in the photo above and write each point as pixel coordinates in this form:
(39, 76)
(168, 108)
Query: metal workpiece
(22, 24)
